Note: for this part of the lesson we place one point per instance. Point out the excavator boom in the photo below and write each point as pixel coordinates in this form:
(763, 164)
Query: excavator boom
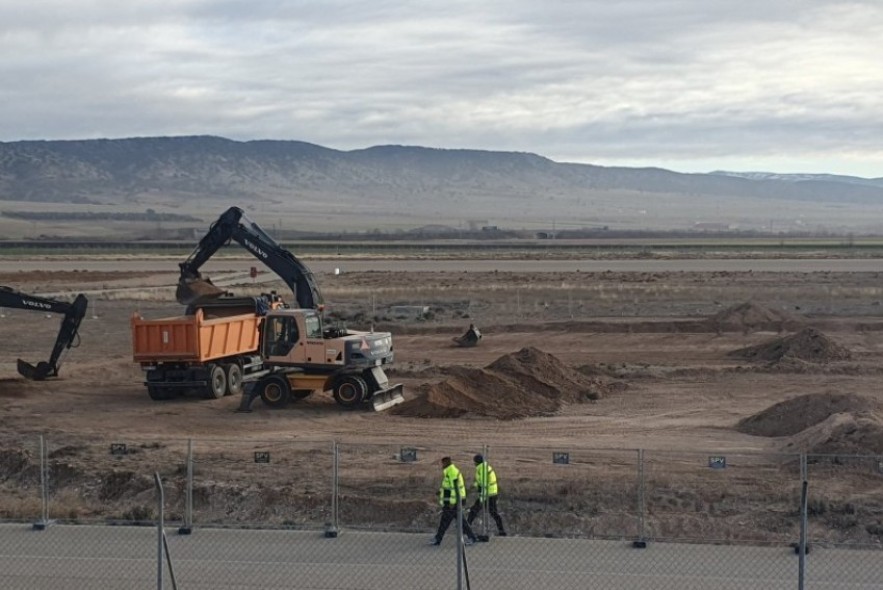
(68, 335)
(234, 225)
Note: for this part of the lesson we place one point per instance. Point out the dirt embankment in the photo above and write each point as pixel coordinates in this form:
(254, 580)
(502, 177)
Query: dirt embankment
(822, 423)
(808, 345)
(526, 383)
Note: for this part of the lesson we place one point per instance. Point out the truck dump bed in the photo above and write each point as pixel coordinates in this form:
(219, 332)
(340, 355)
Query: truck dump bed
(204, 336)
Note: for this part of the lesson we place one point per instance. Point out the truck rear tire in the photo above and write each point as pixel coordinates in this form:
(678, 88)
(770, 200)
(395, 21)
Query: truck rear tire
(275, 391)
(234, 379)
(217, 382)
(350, 391)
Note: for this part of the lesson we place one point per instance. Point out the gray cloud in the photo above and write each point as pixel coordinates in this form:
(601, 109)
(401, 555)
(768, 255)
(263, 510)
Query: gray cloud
(683, 84)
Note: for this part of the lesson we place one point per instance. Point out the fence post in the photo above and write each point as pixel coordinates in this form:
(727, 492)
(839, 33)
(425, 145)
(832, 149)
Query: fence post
(801, 549)
(43, 522)
(160, 501)
(641, 541)
(188, 493)
(458, 545)
(331, 528)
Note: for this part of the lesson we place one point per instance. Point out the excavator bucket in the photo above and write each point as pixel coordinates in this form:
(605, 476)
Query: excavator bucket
(38, 373)
(387, 398)
(469, 339)
(190, 291)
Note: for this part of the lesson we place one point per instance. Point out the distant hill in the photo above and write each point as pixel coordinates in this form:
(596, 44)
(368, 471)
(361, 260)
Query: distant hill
(429, 184)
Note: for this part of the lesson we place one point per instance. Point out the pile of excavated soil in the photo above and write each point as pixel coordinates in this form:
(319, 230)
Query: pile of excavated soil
(794, 415)
(822, 423)
(841, 434)
(807, 345)
(751, 317)
(519, 385)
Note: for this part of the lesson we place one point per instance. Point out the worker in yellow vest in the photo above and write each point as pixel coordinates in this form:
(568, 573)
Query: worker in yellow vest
(451, 496)
(486, 484)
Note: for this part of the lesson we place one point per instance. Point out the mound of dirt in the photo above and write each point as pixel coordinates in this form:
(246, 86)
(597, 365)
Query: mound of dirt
(841, 434)
(526, 383)
(809, 345)
(800, 413)
(751, 317)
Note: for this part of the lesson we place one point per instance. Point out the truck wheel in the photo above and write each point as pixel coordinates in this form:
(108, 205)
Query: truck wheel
(275, 391)
(217, 382)
(234, 379)
(350, 391)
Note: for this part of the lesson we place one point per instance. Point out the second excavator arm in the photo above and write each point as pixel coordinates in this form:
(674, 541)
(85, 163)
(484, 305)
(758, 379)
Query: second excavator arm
(67, 334)
(234, 225)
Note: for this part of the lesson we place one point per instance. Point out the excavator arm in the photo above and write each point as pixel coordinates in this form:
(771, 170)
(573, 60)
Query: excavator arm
(67, 335)
(234, 225)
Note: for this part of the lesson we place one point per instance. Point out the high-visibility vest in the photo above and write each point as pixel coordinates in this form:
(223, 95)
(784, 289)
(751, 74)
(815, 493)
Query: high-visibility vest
(486, 480)
(452, 485)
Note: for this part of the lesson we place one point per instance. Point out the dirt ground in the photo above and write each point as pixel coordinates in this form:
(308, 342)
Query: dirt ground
(618, 361)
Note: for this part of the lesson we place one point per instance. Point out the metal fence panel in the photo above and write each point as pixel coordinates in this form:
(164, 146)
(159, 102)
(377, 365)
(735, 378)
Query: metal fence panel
(20, 485)
(261, 483)
(715, 497)
(702, 520)
(94, 479)
(845, 501)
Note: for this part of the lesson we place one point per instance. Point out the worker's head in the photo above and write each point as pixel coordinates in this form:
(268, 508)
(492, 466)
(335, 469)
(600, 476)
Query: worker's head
(446, 461)
(478, 459)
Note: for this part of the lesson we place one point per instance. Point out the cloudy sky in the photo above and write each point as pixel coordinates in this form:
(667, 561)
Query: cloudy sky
(690, 85)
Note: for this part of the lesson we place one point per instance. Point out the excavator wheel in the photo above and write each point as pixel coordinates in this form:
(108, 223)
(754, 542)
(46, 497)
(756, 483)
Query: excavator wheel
(275, 391)
(234, 379)
(217, 382)
(350, 391)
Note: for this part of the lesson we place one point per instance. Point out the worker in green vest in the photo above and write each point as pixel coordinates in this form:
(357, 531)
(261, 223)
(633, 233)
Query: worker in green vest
(451, 496)
(486, 484)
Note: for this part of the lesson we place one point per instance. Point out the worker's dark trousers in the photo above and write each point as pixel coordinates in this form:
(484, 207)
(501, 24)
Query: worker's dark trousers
(449, 515)
(492, 508)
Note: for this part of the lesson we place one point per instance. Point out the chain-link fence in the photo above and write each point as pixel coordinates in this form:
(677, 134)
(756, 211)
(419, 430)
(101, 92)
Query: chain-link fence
(92, 513)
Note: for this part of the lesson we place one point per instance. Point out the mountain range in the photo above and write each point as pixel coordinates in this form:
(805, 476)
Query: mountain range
(417, 183)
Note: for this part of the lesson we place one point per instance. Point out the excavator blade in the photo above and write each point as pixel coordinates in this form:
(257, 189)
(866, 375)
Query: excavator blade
(387, 398)
(38, 373)
(192, 290)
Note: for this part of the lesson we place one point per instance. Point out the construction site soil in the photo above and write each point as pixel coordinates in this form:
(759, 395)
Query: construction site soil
(692, 363)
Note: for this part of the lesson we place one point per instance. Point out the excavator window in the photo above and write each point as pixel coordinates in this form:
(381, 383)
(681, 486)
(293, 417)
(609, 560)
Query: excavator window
(313, 326)
(281, 334)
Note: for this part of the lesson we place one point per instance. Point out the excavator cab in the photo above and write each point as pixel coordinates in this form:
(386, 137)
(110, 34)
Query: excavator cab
(470, 338)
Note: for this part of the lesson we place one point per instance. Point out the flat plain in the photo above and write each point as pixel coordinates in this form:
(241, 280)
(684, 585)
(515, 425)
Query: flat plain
(669, 352)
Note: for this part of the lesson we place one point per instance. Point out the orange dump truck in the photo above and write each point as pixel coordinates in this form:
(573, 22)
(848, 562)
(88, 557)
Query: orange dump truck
(212, 349)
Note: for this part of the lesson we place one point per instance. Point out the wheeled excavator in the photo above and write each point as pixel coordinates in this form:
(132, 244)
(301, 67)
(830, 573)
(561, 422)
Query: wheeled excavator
(300, 352)
(68, 336)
